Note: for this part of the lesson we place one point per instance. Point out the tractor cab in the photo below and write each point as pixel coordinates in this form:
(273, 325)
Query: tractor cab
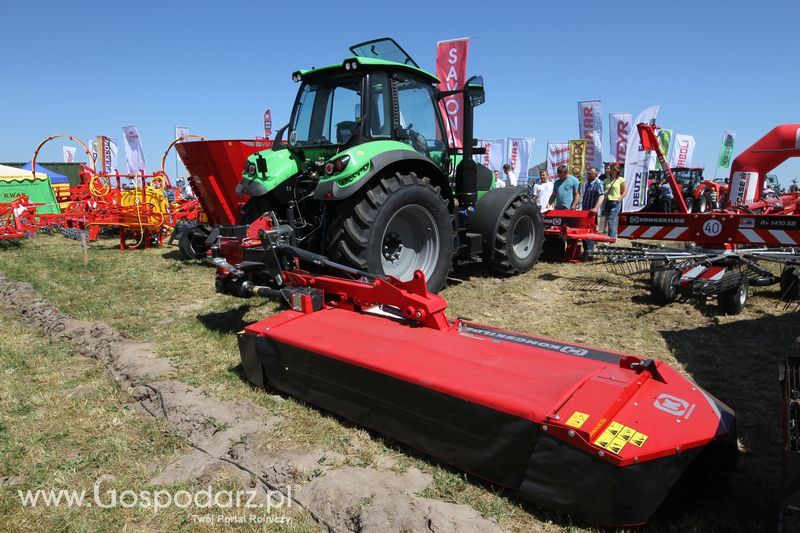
(380, 94)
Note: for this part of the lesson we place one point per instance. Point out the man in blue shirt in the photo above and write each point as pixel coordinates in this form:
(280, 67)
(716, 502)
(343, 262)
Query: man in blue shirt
(593, 195)
(665, 196)
(566, 190)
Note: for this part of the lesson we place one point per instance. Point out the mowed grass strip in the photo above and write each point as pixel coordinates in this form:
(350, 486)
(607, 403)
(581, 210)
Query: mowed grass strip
(152, 295)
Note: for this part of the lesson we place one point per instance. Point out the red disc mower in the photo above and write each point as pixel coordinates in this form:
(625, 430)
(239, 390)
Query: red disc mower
(597, 434)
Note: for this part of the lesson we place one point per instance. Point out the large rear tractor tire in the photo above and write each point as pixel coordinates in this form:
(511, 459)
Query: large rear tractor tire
(703, 205)
(732, 301)
(664, 286)
(401, 224)
(519, 238)
(192, 243)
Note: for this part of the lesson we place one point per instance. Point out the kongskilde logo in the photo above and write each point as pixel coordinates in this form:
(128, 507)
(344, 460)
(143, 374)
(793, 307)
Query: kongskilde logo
(206, 499)
(673, 405)
(571, 350)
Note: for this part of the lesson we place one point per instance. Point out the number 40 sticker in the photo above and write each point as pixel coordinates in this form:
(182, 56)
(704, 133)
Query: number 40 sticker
(712, 227)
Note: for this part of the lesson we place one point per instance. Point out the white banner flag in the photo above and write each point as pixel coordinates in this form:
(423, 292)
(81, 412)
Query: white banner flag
(519, 157)
(107, 155)
(620, 126)
(682, 151)
(92, 150)
(590, 127)
(181, 132)
(638, 164)
(557, 155)
(495, 154)
(69, 154)
(134, 153)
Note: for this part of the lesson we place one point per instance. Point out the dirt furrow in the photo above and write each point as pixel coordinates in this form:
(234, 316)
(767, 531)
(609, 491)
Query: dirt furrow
(227, 436)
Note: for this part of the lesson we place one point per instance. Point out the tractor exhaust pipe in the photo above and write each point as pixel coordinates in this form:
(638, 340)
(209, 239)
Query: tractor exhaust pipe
(473, 95)
(467, 177)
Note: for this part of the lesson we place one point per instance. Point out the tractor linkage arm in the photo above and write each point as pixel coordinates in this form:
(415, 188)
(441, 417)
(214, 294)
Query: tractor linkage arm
(308, 291)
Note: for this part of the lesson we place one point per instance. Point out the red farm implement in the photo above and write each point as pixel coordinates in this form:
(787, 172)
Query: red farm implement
(142, 208)
(15, 219)
(215, 170)
(555, 421)
(567, 230)
(723, 248)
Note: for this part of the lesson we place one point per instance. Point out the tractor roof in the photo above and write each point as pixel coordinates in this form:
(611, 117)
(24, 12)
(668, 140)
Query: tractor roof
(379, 53)
(371, 63)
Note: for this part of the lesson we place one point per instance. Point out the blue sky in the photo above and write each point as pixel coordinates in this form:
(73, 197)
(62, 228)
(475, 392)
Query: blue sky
(92, 67)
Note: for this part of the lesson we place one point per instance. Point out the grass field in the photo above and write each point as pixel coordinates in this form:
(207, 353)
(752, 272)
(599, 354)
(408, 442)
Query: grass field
(152, 295)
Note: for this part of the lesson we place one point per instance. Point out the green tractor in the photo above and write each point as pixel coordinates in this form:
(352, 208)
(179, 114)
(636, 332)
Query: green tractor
(367, 176)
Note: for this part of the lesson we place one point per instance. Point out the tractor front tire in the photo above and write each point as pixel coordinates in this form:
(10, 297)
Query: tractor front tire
(401, 224)
(519, 237)
(703, 204)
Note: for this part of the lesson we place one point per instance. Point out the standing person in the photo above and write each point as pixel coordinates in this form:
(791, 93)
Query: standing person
(665, 196)
(511, 177)
(566, 190)
(543, 190)
(615, 190)
(602, 177)
(593, 195)
(498, 181)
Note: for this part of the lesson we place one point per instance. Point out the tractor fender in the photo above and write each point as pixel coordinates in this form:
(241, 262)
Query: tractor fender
(486, 217)
(399, 160)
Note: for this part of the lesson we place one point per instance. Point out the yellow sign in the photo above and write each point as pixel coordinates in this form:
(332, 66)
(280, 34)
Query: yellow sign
(577, 419)
(638, 439)
(616, 436)
(577, 158)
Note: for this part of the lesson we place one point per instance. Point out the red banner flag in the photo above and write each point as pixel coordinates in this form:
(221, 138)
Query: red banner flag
(267, 123)
(451, 69)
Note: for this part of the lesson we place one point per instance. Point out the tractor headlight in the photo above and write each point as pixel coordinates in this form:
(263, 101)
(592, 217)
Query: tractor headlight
(250, 168)
(296, 76)
(350, 65)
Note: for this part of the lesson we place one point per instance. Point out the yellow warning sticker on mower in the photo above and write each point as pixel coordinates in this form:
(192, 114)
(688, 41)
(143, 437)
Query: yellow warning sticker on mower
(626, 433)
(577, 419)
(604, 439)
(616, 445)
(638, 439)
(614, 428)
(617, 435)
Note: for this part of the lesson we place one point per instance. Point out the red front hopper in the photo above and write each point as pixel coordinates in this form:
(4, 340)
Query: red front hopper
(215, 169)
(600, 435)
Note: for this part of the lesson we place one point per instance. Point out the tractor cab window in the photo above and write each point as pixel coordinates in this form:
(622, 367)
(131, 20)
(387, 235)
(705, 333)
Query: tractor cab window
(327, 113)
(380, 110)
(419, 122)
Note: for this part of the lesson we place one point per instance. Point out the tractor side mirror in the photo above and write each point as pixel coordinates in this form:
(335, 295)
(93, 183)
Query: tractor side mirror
(475, 91)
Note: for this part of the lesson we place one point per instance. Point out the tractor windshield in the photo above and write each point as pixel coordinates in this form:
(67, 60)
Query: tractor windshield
(386, 49)
(327, 112)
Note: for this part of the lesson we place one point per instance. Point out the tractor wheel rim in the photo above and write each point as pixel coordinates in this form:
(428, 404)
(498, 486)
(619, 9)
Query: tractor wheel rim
(742, 294)
(523, 237)
(409, 243)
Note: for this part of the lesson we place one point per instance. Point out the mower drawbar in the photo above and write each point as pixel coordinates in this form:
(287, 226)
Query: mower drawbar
(599, 435)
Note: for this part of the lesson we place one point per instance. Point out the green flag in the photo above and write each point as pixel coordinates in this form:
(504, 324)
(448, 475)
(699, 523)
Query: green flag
(726, 153)
(664, 142)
